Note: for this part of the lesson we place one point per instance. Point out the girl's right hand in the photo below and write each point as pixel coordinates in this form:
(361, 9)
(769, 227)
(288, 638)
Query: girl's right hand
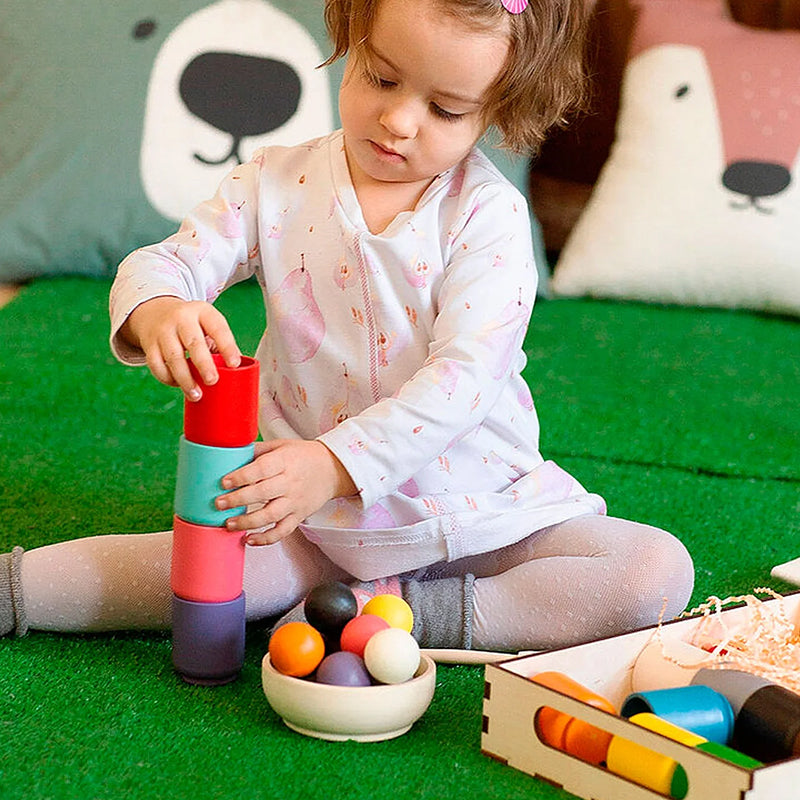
(167, 328)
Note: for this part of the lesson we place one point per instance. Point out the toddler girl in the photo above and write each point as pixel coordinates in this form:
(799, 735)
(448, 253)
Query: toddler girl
(400, 441)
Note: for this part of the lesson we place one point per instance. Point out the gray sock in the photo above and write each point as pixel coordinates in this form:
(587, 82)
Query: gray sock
(12, 608)
(442, 609)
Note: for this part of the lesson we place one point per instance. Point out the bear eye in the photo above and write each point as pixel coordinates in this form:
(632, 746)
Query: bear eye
(682, 91)
(144, 28)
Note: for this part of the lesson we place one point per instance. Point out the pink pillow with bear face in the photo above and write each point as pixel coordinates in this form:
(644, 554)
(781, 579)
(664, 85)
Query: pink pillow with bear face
(699, 201)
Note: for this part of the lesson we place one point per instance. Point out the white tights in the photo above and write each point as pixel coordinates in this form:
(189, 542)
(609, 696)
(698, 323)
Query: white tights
(584, 578)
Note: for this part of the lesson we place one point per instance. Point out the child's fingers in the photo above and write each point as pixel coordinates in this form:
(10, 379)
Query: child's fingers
(259, 518)
(167, 363)
(178, 367)
(261, 468)
(168, 328)
(201, 358)
(194, 342)
(271, 535)
(249, 494)
(201, 329)
(159, 369)
(266, 446)
(265, 525)
(216, 326)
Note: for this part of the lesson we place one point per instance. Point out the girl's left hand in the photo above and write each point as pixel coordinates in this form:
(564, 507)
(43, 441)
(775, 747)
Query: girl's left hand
(290, 479)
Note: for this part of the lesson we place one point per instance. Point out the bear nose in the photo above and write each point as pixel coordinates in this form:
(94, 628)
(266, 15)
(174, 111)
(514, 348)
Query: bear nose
(240, 94)
(756, 178)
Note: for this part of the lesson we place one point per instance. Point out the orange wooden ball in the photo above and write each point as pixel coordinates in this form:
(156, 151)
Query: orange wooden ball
(296, 649)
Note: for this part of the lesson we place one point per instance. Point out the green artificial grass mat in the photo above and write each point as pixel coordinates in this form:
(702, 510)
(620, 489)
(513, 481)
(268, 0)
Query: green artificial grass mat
(683, 418)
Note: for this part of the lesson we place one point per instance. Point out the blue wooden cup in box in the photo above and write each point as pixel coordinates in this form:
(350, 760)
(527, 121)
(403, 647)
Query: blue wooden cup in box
(699, 709)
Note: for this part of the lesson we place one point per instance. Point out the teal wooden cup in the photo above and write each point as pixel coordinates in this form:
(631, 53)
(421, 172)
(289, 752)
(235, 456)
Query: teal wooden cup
(200, 471)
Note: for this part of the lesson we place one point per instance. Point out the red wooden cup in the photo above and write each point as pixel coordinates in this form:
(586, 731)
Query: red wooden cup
(227, 413)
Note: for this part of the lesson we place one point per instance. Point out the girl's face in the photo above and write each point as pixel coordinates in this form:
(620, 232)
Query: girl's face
(421, 112)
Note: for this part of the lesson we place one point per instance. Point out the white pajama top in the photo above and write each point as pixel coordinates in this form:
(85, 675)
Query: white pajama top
(401, 351)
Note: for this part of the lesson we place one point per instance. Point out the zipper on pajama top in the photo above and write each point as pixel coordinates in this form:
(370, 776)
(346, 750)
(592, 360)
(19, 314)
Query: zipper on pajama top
(369, 317)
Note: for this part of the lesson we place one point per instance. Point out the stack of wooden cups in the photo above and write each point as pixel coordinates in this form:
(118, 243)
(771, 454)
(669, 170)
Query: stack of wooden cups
(208, 610)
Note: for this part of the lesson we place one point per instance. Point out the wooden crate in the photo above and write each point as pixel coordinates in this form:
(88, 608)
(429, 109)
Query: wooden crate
(511, 702)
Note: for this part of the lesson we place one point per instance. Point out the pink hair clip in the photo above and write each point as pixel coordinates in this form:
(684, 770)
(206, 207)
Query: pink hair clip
(515, 6)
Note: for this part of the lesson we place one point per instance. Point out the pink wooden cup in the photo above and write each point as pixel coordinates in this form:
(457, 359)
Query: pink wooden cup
(207, 563)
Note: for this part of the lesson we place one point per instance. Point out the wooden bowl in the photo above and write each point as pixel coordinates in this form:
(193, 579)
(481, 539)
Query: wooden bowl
(338, 713)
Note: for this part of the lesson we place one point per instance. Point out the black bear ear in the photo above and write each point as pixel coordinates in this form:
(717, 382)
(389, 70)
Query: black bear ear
(144, 28)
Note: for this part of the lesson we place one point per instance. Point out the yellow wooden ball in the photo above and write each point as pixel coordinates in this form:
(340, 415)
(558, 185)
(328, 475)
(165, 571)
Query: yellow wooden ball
(393, 609)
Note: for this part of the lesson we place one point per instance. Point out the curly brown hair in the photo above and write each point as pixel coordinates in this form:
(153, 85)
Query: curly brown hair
(544, 80)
